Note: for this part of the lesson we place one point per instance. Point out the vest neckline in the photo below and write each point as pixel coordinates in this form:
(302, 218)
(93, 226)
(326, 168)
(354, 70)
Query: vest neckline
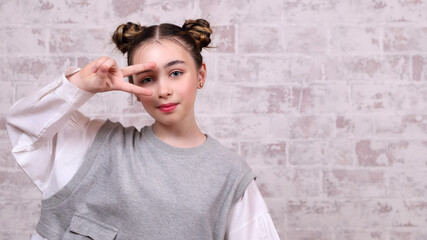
(158, 143)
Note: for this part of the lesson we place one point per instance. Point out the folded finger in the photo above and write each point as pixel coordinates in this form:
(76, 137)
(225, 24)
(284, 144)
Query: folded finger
(109, 63)
(105, 67)
(98, 63)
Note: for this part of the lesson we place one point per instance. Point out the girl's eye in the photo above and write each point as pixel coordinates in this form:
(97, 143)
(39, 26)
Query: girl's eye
(175, 73)
(146, 80)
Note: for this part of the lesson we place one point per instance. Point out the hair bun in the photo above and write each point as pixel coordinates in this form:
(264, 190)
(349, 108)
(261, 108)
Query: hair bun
(200, 31)
(125, 34)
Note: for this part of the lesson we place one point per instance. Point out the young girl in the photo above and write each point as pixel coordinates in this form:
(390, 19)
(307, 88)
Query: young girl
(101, 180)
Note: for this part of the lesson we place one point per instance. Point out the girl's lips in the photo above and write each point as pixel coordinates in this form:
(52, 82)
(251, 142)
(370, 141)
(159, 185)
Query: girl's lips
(169, 107)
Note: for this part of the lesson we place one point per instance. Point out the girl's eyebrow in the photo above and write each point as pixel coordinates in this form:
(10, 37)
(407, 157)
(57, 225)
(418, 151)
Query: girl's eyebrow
(173, 63)
(165, 66)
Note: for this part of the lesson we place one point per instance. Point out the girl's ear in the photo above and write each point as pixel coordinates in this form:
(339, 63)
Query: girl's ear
(202, 76)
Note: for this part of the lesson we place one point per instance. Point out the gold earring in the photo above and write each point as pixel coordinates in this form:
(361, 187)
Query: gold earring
(201, 85)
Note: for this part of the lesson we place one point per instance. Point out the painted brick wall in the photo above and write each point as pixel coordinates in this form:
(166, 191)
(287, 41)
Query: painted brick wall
(326, 100)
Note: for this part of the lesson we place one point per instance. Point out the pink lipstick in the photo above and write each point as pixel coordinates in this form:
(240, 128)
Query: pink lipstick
(169, 107)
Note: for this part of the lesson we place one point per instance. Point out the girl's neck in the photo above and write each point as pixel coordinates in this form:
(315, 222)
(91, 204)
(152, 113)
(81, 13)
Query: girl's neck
(185, 135)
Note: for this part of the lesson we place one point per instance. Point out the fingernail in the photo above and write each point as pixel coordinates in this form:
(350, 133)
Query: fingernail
(94, 69)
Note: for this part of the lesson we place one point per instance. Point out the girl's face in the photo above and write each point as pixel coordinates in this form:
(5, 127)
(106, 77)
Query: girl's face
(174, 82)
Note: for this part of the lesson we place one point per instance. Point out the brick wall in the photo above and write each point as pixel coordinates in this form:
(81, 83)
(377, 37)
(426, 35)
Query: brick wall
(326, 100)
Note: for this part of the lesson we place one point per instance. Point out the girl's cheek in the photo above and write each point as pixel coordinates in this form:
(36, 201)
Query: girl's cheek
(146, 99)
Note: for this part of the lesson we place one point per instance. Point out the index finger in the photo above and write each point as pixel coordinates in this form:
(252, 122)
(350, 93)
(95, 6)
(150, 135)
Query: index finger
(137, 68)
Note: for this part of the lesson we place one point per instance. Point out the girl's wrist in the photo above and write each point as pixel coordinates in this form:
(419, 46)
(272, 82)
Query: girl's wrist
(76, 80)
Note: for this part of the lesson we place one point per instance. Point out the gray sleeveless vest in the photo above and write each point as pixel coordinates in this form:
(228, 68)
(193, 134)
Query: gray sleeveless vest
(132, 185)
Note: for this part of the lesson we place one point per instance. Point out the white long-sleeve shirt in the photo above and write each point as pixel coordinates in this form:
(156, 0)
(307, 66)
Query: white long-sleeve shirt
(50, 137)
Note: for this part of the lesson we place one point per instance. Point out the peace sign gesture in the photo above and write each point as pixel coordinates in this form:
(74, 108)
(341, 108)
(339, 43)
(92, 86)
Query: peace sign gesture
(104, 75)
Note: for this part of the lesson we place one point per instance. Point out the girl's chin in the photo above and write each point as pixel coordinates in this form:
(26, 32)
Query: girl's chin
(165, 122)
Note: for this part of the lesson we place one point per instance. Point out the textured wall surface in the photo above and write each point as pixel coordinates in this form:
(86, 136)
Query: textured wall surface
(325, 99)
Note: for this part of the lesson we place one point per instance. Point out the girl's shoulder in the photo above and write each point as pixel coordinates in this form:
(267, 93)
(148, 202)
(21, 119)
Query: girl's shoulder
(224, 154)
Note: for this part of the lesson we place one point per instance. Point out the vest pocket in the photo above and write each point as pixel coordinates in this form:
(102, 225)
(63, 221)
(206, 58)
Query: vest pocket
(83, 228)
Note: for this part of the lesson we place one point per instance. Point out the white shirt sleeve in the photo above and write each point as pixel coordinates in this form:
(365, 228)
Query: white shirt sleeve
(49, 136)
(249, 218)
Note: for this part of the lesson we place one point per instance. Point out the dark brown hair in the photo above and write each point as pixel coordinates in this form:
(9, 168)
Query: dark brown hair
(194, 35)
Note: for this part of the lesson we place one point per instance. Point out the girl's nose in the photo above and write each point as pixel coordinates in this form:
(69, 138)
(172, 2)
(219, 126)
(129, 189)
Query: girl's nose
(164, 90)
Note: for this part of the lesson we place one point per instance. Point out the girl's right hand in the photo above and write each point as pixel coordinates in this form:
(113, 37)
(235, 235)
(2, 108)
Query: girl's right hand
(104, 75)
